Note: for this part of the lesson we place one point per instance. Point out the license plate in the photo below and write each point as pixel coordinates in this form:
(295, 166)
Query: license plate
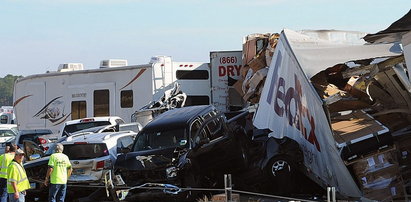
(32, 185)
(78, 171)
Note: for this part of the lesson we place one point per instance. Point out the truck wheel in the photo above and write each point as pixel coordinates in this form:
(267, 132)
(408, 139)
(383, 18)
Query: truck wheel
(281, 174)
(279, 167)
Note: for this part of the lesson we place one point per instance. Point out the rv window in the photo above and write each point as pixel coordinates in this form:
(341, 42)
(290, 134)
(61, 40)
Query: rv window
(78, 110)
(197, 100)
(192, 74)
(101, 103)
(3, 119)
(126, 99)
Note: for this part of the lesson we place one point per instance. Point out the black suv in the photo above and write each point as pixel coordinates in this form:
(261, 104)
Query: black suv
(186, 147)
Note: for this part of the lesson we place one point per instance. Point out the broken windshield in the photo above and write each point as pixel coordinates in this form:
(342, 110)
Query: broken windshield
(161, 139)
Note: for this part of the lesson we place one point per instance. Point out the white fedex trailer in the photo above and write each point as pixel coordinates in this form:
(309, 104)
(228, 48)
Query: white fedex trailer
(290, 106)
(48, 100)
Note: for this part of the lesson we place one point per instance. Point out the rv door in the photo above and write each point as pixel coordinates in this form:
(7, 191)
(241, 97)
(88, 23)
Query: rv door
(94, 99)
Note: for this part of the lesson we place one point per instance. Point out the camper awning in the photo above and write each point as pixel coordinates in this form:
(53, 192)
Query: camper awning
(317, 50)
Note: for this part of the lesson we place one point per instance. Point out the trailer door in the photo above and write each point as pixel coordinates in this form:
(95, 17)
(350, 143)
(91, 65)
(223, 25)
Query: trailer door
(97, 99)
(225, 72)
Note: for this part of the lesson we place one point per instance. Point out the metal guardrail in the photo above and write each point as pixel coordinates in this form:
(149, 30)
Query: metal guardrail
(122, 191)
(174, 190)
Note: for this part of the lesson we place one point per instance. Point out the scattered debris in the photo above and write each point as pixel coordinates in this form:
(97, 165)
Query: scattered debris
(258, 50)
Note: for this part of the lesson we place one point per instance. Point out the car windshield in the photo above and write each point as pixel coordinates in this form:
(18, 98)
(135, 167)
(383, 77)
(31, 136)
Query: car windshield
(161, 139)
(85, 151)
(81, 126)
(7, 132)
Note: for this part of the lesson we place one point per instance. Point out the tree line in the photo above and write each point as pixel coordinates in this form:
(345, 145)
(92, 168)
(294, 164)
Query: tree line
(6, 89)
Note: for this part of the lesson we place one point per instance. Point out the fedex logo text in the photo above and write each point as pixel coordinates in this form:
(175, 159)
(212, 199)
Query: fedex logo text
(288, 104)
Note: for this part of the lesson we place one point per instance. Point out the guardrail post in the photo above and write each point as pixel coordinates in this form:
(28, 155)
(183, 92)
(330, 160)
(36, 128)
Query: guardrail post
(331, 194)
(228, 187)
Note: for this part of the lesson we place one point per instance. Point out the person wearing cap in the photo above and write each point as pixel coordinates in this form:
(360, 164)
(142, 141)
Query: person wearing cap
(59, 171)
(17, 182)
(5, 160)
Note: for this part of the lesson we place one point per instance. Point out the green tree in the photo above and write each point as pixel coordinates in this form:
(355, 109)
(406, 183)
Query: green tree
(6, 89)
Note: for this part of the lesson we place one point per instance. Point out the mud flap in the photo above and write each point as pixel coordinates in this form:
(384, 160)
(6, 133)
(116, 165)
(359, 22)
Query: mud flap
(108, 182)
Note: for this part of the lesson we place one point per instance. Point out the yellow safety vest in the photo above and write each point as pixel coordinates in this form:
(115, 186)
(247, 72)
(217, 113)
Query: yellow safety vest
(16, 173)
(5, 160)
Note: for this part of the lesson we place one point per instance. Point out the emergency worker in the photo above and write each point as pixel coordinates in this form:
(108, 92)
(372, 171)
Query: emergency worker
(17, 182)
(5, 160)
(59, 170)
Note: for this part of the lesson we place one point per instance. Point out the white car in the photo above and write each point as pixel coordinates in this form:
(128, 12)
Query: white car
(73, 126)
(94, 154)
(7, 133)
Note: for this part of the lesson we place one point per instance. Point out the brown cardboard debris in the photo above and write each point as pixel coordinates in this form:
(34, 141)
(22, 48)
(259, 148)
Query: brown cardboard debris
(258, 62)
(391, 192)
(353, 126)
(238, 86)
(254, 82)
(375, 162)
(258, 50)
(223, 198)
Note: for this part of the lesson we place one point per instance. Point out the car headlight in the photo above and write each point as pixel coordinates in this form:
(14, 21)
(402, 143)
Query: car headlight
(171, 172)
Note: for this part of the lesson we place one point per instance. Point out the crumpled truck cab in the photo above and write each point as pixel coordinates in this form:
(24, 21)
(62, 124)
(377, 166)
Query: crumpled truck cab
(188, 147)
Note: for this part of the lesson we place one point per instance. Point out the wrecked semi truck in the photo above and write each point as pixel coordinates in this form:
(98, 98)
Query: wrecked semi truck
(291, 104)
(115, 89)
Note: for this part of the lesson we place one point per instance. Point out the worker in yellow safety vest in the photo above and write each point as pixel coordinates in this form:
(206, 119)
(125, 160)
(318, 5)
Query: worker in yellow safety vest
(59, 171)
(5, 160)
(17, 182)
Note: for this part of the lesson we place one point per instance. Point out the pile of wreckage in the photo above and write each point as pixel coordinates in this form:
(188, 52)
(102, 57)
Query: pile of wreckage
(258, 50)
(367, 94)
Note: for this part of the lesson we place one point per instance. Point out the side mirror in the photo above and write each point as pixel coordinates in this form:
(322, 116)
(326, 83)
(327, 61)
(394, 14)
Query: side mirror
(204, 141)
(201, 142)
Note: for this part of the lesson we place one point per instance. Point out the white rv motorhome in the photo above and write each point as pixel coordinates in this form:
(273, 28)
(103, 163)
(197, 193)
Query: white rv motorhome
(48, 100)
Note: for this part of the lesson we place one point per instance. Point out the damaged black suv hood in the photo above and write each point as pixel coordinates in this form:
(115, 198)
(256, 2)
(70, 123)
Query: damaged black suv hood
(145, 160)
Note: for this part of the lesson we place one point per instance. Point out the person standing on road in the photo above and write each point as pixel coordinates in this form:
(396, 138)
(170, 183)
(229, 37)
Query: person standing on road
(59, 170)
(17, 182)
(5, 160)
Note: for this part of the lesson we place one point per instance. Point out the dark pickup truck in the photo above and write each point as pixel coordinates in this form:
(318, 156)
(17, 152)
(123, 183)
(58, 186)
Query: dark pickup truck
(186, 147)
(189, 149)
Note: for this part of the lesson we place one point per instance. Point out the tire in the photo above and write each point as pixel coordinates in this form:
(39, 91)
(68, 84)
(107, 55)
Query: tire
(281, 174)
(279, 167)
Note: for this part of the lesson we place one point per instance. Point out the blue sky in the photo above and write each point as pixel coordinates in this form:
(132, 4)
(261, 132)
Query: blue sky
(38, 35)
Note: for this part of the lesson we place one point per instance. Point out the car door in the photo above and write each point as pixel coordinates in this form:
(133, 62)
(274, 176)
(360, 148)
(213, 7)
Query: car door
(214, 149)
(220, 146)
